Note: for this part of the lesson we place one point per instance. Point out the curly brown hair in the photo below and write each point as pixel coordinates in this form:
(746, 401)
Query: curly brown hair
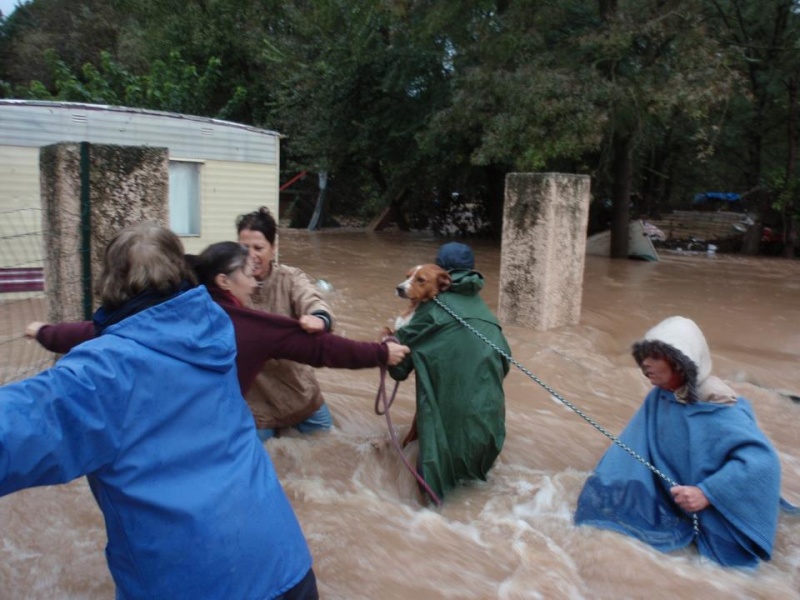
(678, 361)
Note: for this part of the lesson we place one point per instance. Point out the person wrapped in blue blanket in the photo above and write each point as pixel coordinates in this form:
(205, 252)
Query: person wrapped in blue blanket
(695, 430)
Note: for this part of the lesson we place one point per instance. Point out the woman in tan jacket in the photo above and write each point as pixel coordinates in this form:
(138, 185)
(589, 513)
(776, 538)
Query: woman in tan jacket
(285, 393)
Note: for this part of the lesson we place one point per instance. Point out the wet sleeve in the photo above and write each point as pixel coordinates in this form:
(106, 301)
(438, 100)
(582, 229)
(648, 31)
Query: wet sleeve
(63, 337)
(61, 424)
(326, 318)
(746, 489)
(275, 336)
(409, 335)
(307, 300)
(427, 322)
(331, 350)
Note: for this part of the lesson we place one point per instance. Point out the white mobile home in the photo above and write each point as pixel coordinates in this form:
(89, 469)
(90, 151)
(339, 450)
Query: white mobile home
(218, 169)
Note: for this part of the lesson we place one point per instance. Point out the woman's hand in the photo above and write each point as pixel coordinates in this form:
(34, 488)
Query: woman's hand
(312, 324)
(33, 328)
(689, 498)
(397, 353)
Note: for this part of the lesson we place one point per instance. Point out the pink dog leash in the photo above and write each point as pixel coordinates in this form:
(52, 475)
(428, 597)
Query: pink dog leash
(380, 397)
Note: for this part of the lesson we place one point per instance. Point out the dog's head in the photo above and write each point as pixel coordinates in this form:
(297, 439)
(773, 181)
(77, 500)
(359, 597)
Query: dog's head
(423, 283)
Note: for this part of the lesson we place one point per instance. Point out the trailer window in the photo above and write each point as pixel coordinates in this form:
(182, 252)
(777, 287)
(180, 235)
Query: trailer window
(184, 197)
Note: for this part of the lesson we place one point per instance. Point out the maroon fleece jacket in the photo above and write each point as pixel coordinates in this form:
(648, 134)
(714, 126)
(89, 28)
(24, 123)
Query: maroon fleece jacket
(259, 337)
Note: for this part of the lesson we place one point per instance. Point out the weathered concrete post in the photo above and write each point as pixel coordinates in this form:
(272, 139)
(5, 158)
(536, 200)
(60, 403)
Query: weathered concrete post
(89, 192)
(543, 248)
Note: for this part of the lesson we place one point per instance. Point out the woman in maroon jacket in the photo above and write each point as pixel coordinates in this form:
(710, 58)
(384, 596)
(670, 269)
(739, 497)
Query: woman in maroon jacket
(226, 272)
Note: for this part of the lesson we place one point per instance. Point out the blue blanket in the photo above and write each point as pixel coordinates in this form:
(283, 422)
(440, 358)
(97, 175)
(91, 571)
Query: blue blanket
(717, 447)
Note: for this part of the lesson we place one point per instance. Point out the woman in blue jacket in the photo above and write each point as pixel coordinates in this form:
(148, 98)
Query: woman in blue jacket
(151, 412)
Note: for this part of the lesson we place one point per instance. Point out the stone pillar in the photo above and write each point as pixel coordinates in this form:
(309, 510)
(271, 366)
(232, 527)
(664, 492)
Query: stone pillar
(89, 192)
(543, 248)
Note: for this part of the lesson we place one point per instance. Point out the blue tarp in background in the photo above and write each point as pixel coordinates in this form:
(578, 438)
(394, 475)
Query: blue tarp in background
(711, 196)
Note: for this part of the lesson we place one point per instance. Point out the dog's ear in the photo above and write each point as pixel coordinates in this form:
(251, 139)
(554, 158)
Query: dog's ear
(444, 281)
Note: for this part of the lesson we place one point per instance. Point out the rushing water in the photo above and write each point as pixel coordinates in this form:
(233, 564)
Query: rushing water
(513, 536)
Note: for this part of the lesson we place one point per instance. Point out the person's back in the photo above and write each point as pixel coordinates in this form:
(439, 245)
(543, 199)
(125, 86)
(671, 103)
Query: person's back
(190, 471)
(151, 411)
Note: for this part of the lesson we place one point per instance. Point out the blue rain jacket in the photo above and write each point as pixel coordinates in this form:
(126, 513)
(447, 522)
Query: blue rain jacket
(152, 413)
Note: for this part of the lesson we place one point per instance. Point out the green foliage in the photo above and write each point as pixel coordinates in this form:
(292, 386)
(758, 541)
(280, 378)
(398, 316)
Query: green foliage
(409, 101)
(785, 191)
(353, 88)
(555, 80)
(76, 31)
(761, 39)
(172, 85)
(202, 30)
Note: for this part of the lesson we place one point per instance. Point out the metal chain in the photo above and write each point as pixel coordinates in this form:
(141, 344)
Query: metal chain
(569, 405)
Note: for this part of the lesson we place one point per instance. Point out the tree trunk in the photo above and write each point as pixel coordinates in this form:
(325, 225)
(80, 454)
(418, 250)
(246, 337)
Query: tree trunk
(622, 167)
(398, 212)
(621, 163)
(790, 245)
(789, 210)
(496, 184)
(607, 8)
(755, 144)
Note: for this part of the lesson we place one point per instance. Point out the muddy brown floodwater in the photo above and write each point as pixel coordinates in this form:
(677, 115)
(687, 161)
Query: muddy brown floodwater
(513, 536)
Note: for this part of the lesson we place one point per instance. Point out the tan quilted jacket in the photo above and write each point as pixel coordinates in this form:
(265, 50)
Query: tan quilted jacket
(286, 393)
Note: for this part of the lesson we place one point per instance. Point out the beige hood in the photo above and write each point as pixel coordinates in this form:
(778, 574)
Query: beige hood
(681, 340)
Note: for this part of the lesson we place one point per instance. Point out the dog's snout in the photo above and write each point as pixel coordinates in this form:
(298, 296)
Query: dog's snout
(400, 290)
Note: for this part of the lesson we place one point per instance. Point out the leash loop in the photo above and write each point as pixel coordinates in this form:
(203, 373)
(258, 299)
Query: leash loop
(382, 405)
(568, 404)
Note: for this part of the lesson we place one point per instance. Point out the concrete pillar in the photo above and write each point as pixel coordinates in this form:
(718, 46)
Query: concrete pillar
(543, 248)
(89, 192)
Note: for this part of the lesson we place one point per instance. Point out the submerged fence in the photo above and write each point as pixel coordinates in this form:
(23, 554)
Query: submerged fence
(26, 239)
(22, 296)
(49, 253)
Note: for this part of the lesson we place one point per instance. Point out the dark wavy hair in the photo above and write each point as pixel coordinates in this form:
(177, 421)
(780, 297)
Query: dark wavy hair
(260, 220)
(680, 363)
(222, 257)
(142, 257)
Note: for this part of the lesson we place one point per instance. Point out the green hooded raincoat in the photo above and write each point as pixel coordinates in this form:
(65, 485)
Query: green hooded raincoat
(460, 398)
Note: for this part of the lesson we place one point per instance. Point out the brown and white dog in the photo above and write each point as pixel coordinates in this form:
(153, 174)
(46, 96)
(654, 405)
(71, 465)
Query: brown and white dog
(423, 283)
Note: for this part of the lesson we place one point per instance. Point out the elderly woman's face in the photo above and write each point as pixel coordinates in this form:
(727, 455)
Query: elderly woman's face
(661, 374)
(241, 283)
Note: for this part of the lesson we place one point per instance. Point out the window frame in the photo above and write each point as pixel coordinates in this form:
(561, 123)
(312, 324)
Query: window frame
(190, 224)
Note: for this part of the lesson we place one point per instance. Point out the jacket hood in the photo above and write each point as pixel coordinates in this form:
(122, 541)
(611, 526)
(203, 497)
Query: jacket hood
(466, 282)
(680, 340)
(189, 327)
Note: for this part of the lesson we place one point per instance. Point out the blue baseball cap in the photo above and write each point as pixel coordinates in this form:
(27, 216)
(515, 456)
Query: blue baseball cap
(455, 255)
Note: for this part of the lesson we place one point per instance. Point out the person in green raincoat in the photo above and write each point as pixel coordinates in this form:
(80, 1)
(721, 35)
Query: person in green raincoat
(460, 420)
